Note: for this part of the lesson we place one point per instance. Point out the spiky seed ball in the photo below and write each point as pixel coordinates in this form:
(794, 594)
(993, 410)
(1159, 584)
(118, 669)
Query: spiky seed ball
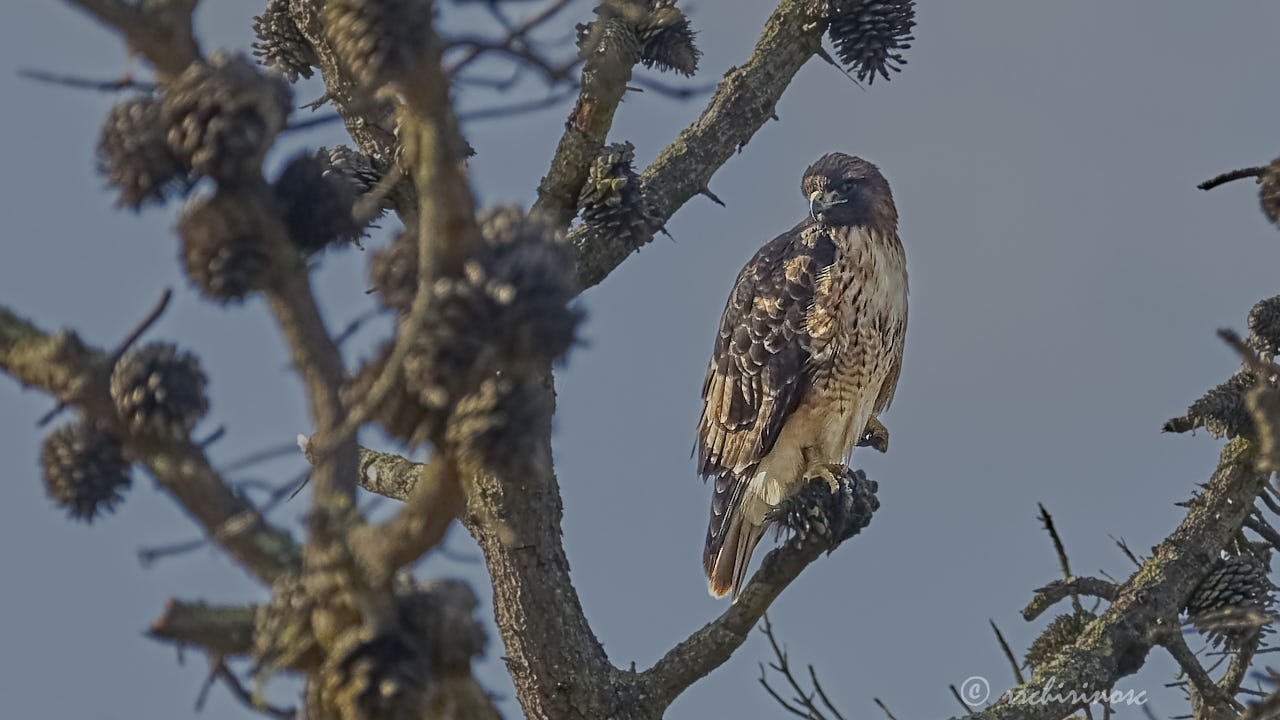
(281, 45)
(84, 470)
(869, 35)
(1264, 326)
(393, 272)
(1233, 601)
(158, 392)
(611, 36)
(455, 345)
(1269, 193)
(316, 205)
(380, 41)
(1061, 633)
(222, 247)
(530, 277)
(492, 428)
(666, 39)
(1222, 410)
(611, 200)
(356, 167)
(135, 157)
(223, 115)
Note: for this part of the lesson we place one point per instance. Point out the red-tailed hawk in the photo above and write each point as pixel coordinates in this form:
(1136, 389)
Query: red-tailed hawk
(808, 354)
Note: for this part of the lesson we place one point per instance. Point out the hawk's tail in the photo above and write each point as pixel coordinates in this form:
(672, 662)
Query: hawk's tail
(730, 539)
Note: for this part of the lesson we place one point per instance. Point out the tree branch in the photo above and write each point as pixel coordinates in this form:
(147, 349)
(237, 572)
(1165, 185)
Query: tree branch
(224, 631)
(77, 375)
(1050, 594)
(741, 105)
(161, 33)
(1117, 643)
(709, 647)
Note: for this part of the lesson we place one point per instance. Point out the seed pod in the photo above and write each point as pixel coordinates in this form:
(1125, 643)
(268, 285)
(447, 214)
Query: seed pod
(158, 392)
(85, 471)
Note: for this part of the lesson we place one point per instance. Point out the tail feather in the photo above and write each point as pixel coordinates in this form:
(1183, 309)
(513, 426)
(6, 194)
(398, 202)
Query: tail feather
(730, 540)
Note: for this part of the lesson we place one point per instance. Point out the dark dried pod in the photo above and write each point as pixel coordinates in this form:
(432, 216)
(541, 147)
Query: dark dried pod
(611, 200)
(85, 471)
(316, 205)
(222, 247)
(612, 36)
(356, 167)
(381, 41)
(869, 35)
(1233, 603)
(529, 276)
(159, 392)
(223, 115)
(281, 46)
(1269, 193)
(135, 156)
(492, 428)
(1264, 326)
(666, 39)
(1222, 410)
(1061, 633)
(456, 343)
(393, 272)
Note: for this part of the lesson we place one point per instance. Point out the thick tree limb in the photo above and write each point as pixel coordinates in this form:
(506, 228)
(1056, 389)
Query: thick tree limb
(1050, 594)
(741, 105)
(1149, 603)
(708, 648)
(161, 32)
(77, 375)
(604, 81)
(224, 631)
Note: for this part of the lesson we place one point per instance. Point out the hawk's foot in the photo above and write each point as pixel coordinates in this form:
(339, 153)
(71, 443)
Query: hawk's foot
(876, 436)
(832, 516)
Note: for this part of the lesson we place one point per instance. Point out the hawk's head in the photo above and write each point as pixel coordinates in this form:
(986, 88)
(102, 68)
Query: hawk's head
(847, 190)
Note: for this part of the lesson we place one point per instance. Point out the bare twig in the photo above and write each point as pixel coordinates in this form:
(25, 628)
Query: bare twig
(803, 700)
(83, 83)
(1232, 176)
(1199, 677)
(149, 555)
(1047, 520)
(1050, 594)
(1008, 653)
(519, 108)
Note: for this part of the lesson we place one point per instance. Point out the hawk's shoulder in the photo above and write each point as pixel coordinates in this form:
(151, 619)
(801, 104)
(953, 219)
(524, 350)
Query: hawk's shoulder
(759, 364)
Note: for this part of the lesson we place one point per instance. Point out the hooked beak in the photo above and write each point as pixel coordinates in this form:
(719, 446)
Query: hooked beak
(821, 201)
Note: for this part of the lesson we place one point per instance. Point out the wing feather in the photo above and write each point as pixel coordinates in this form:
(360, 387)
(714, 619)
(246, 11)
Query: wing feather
(760, 364)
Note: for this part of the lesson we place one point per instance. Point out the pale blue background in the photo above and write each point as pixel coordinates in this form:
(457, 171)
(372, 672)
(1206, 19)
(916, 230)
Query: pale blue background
(1066, 278)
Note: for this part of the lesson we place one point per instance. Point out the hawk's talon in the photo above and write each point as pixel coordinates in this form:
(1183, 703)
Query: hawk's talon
(831, 515)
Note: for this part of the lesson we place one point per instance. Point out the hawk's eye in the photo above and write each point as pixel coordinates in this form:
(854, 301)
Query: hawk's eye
(845, 186)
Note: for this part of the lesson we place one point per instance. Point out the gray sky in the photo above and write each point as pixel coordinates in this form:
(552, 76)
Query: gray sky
(1066, 280)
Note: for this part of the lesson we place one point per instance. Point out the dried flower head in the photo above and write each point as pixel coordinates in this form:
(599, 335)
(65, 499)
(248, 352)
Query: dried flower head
(381, 41)
(222, 247)
(223, 115)
(159, 392)
(393, 272)
(492, 427)
(611, 200)
(1222, 410)
(316, 204)
(666, 39)
(85, 471)
(1233, 603)
(869, 35)
(281, 46)
(135, 157)
(1061, 633)
(509, 310)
